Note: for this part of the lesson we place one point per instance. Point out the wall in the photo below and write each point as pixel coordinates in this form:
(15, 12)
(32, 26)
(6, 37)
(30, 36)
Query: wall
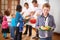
(55, 11)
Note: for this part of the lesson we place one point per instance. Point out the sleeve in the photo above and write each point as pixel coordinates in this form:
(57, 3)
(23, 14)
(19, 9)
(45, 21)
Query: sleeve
(32, 9)
(23, 10)
(53, 22)
(21, 18)
(17, 15)
(37, 23)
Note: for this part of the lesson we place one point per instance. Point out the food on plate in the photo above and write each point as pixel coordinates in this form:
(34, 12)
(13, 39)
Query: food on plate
(27, 17)
(46, 28)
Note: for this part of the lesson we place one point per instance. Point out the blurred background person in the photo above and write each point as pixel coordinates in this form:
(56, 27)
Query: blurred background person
(26, 15)
(36, 11)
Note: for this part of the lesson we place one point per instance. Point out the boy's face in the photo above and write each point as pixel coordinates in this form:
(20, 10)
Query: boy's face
(46, 10)
(13, 16)
(26, 6)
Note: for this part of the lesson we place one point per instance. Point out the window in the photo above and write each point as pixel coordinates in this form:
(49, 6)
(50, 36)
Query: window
(4, 5)
(14, 4)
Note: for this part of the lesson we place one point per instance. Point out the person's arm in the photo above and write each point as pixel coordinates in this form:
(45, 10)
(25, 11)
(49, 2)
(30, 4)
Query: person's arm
(21, 22)
(21, 18)
(16, 18)
(22, 13)
(39, 12)
(53, 23)
(32, 13)
(37, 23)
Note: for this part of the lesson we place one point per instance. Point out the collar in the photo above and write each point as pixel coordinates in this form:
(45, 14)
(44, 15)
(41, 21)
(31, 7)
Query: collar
(18, 11)
(48, 15)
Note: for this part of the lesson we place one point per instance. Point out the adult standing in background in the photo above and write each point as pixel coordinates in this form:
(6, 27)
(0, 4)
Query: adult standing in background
(36, 12)
(26, 13)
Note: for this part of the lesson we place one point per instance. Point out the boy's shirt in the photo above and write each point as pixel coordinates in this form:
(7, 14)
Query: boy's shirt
(13, 22)
(9, 20)
(26, 12)
(19, 19)
(46, 24)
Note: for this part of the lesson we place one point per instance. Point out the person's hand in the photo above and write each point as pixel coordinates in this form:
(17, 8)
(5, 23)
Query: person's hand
(22, 13)
(38, 14)
(27, 17)
(52, 29)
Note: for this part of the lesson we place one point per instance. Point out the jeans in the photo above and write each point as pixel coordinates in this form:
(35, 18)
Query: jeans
(12, 31)
(48, 38)
(4, 35)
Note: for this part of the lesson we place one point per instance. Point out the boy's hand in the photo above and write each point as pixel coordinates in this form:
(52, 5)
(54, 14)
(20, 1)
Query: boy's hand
(52, 28)
(37, 27)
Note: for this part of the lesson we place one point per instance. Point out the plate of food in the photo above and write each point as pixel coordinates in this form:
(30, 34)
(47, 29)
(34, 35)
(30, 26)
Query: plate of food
(27, 18)
(45, 28)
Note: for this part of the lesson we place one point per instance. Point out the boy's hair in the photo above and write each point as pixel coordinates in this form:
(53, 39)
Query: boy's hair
(12, 15)
(6, 12)
(26, 4)
(34, 1)
(46, 5)
(19, 8)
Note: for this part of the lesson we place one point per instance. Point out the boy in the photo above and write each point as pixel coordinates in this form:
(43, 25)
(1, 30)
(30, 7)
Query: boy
(45, 20)
(13, 26)
(19, 23)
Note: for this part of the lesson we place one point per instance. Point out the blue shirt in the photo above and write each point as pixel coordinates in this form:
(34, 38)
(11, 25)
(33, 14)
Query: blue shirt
(13, 22)
(19, 19)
